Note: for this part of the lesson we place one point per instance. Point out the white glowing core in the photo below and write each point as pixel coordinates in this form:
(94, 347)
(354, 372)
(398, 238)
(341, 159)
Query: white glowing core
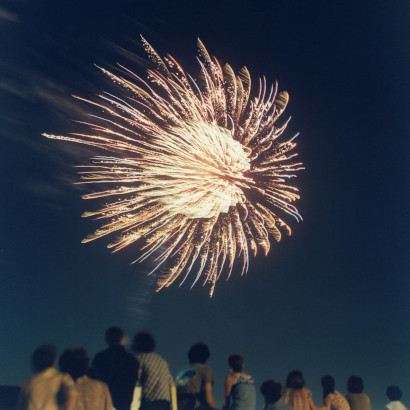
(204, 170)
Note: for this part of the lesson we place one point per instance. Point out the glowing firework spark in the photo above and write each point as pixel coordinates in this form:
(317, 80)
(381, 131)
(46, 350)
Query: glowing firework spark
(200, 172)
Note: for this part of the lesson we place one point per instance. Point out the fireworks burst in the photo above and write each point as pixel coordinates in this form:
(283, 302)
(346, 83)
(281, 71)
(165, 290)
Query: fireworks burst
(200, 171)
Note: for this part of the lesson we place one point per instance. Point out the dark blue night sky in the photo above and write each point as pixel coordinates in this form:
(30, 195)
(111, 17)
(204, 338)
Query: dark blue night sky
(332, 298)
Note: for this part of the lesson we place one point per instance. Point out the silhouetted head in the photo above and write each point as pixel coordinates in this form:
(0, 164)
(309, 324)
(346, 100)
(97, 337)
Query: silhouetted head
(295, 380)
(114, 336)
(393, 393)
(43, 357)
(328, 384)
(236, 362)
(355, 384)
(198, 353)
(272, 391)
(143, 343)
(75, 362)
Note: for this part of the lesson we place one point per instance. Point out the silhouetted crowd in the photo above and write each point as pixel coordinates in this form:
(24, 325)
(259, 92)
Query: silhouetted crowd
(117, 379)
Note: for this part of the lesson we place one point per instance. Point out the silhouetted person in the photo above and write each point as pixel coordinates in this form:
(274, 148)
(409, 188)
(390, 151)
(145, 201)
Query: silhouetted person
(239, 386)
(116, 367)
(90, 394)
(332, 399)
(155, 377)
(272, 392)
(194, 384)
(296, 394)
(394, 394)
(355, 396)
(48, 389)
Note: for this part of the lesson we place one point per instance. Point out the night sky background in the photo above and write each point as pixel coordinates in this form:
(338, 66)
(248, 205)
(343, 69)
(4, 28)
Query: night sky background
(332, 298)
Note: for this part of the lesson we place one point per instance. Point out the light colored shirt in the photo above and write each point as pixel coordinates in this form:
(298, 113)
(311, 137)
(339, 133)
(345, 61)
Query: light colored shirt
(358, 401)
(396, 405)
(44, 390)
(155, 378)
(92, 395)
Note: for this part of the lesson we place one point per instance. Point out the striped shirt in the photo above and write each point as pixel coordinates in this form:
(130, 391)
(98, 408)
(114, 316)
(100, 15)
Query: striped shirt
(155, 377)
(337, 401)
(298, 399)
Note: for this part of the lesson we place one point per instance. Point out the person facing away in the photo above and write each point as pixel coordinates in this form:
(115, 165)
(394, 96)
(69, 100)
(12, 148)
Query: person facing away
(155, 377)
(355, 396)
(194, 384)
(117, 368)
(296, 394)
(272, 392)
(239, 386)
(332, 399)
(394, 394)
(91, 394)
(48, 389)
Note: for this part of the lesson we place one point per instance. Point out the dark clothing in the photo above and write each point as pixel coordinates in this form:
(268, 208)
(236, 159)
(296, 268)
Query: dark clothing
(9, 397)
(119, 369)
(185, 402)
(155, 405)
